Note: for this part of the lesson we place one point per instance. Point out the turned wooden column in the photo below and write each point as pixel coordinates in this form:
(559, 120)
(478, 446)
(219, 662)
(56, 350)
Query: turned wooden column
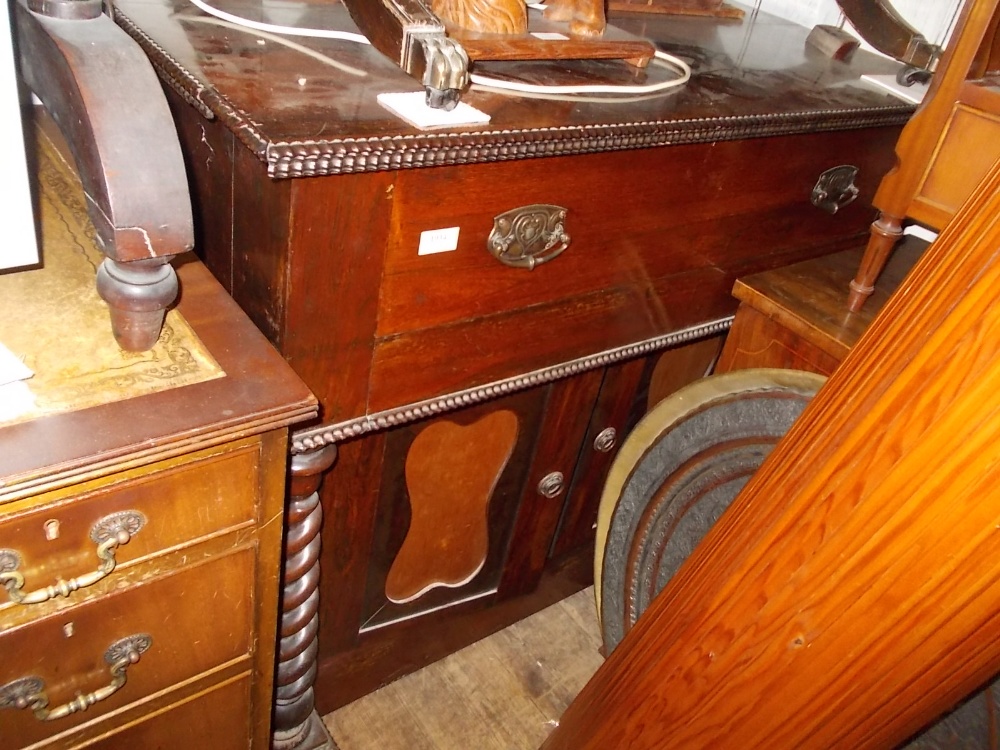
(851, 593)
(296, 724)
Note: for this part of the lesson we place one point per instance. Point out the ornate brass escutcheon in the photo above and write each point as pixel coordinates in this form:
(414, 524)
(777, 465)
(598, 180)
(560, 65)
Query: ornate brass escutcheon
(835, 188)
(29, 692)
(528, 236)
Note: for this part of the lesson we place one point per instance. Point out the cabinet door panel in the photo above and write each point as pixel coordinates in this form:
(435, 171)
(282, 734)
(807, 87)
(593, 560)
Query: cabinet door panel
(680, 365)
(618, 393)
(448, 496)
(567, 415)
(628, 392)
(451, 471)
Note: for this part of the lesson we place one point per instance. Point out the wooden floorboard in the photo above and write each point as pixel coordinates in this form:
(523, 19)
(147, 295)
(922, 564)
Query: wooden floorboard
(505, 692)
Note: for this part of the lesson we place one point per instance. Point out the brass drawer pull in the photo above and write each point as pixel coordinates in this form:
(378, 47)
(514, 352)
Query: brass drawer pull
(528, 236)
(29, 692)
(108, 533)
(835, 188)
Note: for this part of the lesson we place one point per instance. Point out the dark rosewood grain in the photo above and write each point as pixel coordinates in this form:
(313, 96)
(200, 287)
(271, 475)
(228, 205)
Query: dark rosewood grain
(331, 122)
(611, 411)
(538, 516)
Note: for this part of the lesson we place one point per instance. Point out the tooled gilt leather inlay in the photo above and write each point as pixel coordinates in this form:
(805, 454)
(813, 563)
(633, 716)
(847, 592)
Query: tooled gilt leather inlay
(311, 158)
(304, 441)
(451, 472)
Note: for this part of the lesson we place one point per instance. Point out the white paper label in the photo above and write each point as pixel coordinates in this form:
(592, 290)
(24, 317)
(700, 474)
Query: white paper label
(549, 36)
(438, 241)
(412, 107)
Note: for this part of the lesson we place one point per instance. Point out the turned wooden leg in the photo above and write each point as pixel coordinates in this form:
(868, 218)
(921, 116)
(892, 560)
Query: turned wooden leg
(296, 724)
(138, 294)
(886, 231)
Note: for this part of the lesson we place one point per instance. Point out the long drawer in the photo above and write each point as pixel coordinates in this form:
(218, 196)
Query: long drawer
(179, 626)
(656, 239)
(216, 719)
(56, 539)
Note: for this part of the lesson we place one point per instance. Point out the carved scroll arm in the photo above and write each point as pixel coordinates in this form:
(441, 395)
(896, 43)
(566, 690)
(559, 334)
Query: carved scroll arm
(888, 32)
(101, 90)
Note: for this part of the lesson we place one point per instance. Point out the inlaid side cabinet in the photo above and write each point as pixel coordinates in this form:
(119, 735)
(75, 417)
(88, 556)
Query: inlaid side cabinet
(141, 526)
(475, 383)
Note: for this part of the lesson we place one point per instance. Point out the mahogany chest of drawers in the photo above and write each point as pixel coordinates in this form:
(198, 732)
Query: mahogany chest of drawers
(141, 533)
(476, 404)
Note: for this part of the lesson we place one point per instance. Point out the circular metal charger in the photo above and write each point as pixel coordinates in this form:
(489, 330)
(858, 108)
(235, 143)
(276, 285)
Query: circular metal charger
(676, 473)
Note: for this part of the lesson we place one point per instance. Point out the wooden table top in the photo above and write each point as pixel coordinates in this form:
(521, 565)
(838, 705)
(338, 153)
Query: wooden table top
(808, 297)
(307, 106)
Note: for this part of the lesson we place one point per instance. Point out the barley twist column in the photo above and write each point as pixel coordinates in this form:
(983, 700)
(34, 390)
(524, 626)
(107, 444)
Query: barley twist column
(296, 724)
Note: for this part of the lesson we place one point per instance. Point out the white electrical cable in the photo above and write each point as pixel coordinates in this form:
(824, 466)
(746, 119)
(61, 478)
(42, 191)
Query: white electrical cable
(301, 48)
(493, 84)
(617, 98)
(600, 88)
(273, 28)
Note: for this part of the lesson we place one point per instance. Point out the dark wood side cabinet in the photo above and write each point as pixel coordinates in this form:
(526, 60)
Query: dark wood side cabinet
(475, 405)
(140, 516)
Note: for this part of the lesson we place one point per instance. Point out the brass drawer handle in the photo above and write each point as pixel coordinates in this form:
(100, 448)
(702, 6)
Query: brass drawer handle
(835, 188)
(108, 533)
(29, 692)
(528, 236)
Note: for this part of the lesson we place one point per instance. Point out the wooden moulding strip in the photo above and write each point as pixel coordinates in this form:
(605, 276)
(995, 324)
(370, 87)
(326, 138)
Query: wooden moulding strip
(310, 439)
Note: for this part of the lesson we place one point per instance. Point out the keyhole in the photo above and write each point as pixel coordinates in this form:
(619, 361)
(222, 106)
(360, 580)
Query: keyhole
(51, 529)
(68, 630)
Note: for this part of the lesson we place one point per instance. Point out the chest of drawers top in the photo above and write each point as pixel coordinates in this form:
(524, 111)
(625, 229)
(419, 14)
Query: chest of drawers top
(98, 411)
(307, 106)
(257, 393)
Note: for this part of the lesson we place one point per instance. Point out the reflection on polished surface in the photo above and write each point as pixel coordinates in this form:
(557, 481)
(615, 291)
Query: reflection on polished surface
(289, 89)
(667, 199)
